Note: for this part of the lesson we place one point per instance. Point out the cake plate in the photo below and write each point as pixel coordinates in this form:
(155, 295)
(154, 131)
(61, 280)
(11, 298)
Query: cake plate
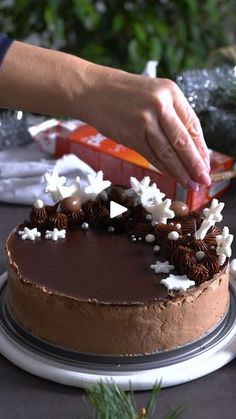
(139, 373)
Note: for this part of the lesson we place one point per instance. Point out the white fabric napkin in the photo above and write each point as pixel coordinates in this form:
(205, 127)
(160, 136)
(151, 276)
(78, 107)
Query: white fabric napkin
(22, 170)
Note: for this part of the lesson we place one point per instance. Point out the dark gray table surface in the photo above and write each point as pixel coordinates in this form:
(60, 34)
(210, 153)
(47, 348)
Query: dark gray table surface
(24, 396)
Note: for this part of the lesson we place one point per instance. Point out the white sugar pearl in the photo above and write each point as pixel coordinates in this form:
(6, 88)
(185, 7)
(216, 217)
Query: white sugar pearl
(38, 203)
(148, 217)
(156, 248)
(110, 229)
(150, 238)
(200, 255)
(178, 226)
(173, 235)
(85, 226)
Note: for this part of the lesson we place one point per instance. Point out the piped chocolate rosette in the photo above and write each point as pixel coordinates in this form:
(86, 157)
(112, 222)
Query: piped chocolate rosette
(189, 243)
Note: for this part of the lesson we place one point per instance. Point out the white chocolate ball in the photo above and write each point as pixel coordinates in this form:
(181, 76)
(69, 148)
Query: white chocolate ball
(38, 203)
(173, 235)
(200, 255)
(150, 238)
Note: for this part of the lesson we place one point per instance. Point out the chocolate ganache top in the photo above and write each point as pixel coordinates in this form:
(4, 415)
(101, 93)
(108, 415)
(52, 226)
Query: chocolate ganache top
(89, 265)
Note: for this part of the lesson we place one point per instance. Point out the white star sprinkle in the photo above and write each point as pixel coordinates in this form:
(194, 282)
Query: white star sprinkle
(54, 184)
(206, 224)
(96, 185)
(55, 234)
(224, 241)
(215, 210)
(29, 233)
(177, 282)
(146, 192)
(162, 267)
(160, 211)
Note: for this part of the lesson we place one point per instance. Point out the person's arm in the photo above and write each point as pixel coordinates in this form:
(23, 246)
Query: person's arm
(149, 115)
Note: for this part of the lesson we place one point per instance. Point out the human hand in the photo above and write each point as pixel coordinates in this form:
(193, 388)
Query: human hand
(151, 116)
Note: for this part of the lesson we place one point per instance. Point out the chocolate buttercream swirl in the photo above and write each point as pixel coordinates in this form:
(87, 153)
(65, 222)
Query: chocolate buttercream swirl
(38, 217)
(211, 262)
(142, 229)
(161, 232)
(169, 246)
(138, 215)
(50, 209)
(190, 223)
(183, 259)
(75, 218)
(198, 273)
(210, 238)
(95, 213)
(57, 220)
(198, 245)
(121, 194)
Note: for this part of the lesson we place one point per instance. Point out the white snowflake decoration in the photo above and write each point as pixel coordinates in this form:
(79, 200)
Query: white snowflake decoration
(140, 186)
(177, 282)
(54, 184)
(160, 211)
(55, 234)
(162, 267)
(224, 241)
(214, 210)
(29, 233)
(146, 192)
(72, 190)
(206, 224)
(96, 185)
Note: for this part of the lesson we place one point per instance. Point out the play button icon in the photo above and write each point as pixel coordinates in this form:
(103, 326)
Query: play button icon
(116, 209)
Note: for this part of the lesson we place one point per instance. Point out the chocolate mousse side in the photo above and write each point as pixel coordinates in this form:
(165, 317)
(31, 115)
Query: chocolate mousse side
(146, 281)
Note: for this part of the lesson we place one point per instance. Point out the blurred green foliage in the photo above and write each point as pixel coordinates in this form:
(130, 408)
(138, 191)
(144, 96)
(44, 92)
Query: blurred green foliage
(124, 34)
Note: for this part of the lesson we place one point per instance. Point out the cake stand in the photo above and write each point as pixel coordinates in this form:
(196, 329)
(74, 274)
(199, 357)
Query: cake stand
(139, 373)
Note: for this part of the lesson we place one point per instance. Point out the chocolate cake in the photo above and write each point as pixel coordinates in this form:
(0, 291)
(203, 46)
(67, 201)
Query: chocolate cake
(152, 279)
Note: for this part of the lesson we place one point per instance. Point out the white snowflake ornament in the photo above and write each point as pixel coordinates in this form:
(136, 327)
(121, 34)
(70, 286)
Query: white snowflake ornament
(177, 282)
(29, 233)
(224, 241)
(55, 234)
(162, 267)
(214, 210)
(140, 186)
(54, 184)
(206, 224)
(96, 185)
(72, 190)
(146, 192)
(160, 212)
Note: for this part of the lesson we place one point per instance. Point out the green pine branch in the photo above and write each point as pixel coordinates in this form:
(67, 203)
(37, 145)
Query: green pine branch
(111, 402)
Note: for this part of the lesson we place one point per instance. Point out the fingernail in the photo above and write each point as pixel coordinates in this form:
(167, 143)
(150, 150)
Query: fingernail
(205, 179)
(193, 186)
